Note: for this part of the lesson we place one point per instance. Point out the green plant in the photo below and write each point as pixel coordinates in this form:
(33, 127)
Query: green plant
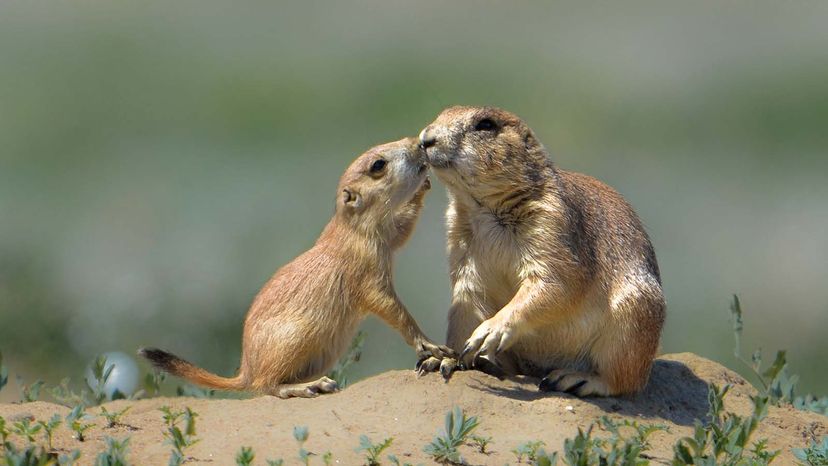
(301, 434)
(113, 418)
(816, 454)
(812, 403)
(616, 450)
(180, 440)
(31, 455)
(115, 454)
(482, 443)
(373, 450)
(279, 462)
(153, 382)
(75, 422)
(194, 392)
(775, 383)
(25, 428)
(4, 373)
(725, 439)
(66, 396)
(29, 393)
(544, 459)
(100, 375)
(443, 449)
(49, 428)
(245, 456)
(69, 459)
(352, 356)
(529, 450)
(4, 432)
(396, 461)
(327, 458)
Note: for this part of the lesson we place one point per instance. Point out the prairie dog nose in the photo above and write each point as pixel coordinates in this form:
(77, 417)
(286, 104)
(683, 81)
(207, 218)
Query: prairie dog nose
(427, 138)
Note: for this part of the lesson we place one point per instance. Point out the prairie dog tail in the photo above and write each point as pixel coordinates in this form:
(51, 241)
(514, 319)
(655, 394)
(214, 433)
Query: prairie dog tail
(174, 365)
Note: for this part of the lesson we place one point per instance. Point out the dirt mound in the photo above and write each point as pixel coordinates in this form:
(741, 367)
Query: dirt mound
(397, 404)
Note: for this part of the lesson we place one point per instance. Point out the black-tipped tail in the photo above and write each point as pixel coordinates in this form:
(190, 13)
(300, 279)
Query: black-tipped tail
(174, 365)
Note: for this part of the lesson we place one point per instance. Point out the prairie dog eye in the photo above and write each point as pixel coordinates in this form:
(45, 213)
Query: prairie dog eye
(486, 124)
(378, 166)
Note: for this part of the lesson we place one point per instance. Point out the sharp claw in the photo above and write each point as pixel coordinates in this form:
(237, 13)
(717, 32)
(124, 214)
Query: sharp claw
(547, 385)
(446, 372)
(550, 385)
(573, 389)
(465, 351)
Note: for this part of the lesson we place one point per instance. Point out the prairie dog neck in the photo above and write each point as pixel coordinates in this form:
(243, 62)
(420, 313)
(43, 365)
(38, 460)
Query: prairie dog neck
(364, 242)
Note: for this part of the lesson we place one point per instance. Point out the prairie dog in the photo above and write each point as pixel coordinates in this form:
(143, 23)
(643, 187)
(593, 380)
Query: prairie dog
(552, 272)
(305, 316)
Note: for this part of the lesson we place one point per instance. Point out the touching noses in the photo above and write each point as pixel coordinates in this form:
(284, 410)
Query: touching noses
(427, 137)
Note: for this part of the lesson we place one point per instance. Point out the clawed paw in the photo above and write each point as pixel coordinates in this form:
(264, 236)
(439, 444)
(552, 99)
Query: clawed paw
(432, 358)
(447, 366)
(427, 350)
(489, 338)
(573, 382)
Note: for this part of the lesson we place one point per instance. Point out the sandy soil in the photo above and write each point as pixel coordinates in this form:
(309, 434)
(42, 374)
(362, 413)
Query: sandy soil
(397, 404)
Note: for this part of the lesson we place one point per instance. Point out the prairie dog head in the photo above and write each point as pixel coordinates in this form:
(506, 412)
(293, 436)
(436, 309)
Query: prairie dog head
(483, 151)
(380, 180)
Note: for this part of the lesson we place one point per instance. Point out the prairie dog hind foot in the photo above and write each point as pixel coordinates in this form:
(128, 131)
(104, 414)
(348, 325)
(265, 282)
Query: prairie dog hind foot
(574, 382)
(307, 390)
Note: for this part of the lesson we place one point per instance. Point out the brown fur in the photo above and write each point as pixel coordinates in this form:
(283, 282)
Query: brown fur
(303, 319)
(552, 272)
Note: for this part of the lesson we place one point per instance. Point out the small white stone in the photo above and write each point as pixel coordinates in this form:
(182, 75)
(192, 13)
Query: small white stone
(570, 408)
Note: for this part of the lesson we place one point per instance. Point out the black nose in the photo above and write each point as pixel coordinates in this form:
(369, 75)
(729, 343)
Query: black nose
(427, 139)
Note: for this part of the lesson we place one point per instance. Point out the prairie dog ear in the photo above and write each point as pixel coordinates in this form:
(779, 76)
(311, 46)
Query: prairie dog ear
(351, 198)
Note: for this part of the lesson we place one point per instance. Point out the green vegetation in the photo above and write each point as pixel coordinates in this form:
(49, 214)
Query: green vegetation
(816, 454)
(529, 450)
(373, 450)
(482, 443)
(152, 383)
(64, 395)
(4, 373)
(351, 357)
(113, 418)
(75, 420)
(4, 432)
(444, 448)
(774, 382)
(100, 375)
(396, 461)
(115, 453)
(29, 393)
(245, 456)
(300, 433)
(725, 440)
(50, 427)
(180, 440)
(25, 428)
(192, 391)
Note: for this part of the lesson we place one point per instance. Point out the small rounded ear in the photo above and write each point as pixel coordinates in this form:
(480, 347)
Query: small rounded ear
(351, 198)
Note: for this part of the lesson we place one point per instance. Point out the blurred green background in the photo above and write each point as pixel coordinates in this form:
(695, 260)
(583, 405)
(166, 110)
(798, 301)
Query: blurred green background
(160, 160)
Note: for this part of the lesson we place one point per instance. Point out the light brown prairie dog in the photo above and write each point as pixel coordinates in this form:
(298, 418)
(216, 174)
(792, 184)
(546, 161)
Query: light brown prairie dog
(552, 272)
(303, 319)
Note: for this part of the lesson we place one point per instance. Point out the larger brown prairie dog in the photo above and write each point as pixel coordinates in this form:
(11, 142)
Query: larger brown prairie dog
(303, 319)
(552, 272)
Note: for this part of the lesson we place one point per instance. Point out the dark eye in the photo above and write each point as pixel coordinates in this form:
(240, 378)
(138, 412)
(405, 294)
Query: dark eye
(377, 166)
(486, 124)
